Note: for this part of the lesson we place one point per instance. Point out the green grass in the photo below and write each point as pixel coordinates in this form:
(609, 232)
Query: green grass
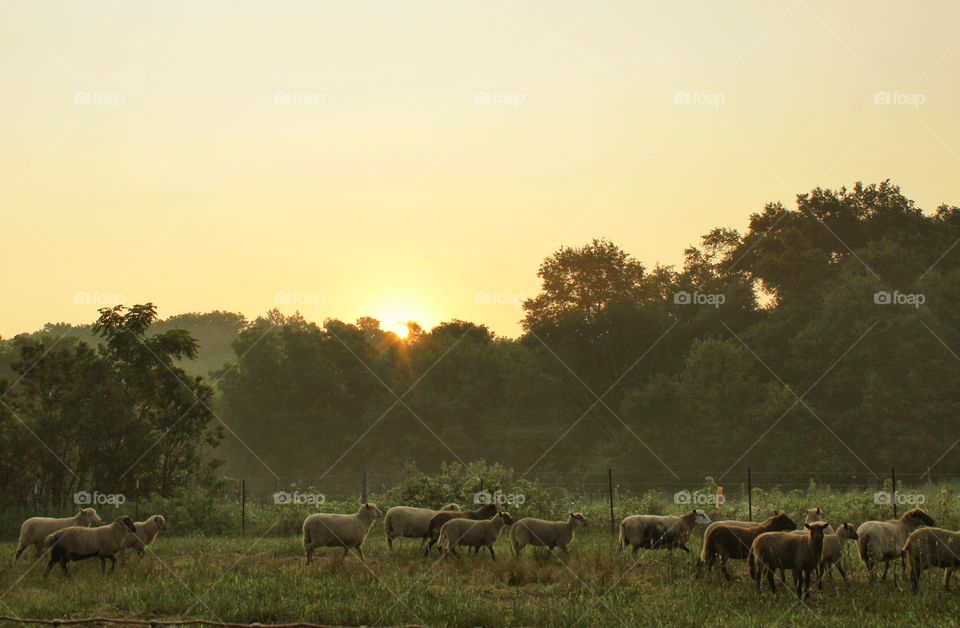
(265, 580)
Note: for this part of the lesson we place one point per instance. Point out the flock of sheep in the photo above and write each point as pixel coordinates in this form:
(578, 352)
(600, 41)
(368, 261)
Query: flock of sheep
(769, 546)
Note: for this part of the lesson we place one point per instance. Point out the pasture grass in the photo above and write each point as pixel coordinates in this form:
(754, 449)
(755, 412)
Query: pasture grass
(265, 580)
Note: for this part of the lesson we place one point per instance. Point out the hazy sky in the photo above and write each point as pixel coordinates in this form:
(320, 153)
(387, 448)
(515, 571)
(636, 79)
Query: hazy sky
(419, 159)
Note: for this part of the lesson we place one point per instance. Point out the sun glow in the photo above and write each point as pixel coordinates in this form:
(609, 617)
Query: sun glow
(399, 328)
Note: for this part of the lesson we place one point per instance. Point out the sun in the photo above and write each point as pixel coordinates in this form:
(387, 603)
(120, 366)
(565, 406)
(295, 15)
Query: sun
(399, 328)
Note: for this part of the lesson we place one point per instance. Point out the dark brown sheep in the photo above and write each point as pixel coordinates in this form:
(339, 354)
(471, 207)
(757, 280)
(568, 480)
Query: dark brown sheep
(734, 542)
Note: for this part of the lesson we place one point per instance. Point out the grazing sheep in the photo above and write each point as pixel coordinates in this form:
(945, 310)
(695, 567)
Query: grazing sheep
(346, 531)
(485, 511)
(833, 552)
(79, 543)
(409, 522)
(473, 533)
(731, 541)
(784, 550)
(146, 533)
(656, 532)
(541, 533)
(884, 540)
(34, 530)
(932, 547)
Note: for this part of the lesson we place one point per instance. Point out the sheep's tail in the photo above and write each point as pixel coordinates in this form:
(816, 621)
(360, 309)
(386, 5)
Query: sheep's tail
(862, 546)
(306, 536)
(906, 547)
(623, 536)
(704, 550)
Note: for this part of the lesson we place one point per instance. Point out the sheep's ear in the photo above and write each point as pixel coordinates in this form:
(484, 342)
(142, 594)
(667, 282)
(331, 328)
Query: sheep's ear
(808, 526)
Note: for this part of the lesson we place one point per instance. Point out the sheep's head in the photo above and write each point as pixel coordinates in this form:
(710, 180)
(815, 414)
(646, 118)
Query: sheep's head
(160, 522)
(452, 507)
(917, 517)
(701, 517)
(371, 509)
(847, 532)
(578, 518)
(814, 514)
(816, 529)
(126, 522)
(88, 516)
(780, 521)
(505, 517)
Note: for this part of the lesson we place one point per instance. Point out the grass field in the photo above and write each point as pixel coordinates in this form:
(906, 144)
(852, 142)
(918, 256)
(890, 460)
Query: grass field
(265, 580)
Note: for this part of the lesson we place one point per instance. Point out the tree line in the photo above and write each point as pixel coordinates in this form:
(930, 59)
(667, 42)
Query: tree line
(823, 338)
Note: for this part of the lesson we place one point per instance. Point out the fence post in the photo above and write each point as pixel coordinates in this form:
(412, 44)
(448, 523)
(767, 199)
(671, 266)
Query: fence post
(243, 507)
(366, 486)
(613, 528)
(893, 491)
(136, 504)
(749, 494)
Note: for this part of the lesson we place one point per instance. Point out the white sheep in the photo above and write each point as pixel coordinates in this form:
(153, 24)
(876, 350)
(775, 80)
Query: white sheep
(79, 543)
(412, 523)
(34, 530)
(346, 531)
(541, 533)
(660, 532)
(473, 533)
(146, 533)
(884, 540)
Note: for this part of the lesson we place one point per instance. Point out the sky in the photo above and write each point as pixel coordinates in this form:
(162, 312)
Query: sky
(418, 160)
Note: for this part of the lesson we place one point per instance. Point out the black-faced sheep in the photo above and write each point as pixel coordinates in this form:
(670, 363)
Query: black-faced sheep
(729, 541)
(932, 547)
(79, 543)
(786, 551)
(346, 531)
(660, 532)
(473, 533)
(884, 540)
(34, 530)
(485, 511)
(542, 533)
(412, 523)
(146, 532)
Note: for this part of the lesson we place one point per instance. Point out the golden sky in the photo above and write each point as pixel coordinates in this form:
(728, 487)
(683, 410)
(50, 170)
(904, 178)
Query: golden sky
(408, 159)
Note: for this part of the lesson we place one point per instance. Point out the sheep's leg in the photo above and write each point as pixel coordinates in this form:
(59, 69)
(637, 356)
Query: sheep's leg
(113, 563)
(309, 552)
(771, 580)
(390, 542)
(636, 548)
(843, 574)
(63, 564)
(886, 566)
(38, 547)
(20, 550)
(947, 573)
(103, 564)
(723, 568)
(492, 555)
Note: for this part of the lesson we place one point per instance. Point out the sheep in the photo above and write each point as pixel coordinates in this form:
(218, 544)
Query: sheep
(79, 543)
(732, 541)
(833, 552)
(34, 530)
(784, 550)
(733, 523)
(932, 547)
(346, 531)
(541, 533)
(473, 533)
(411, 523)
(485, 511)
(146, 533)
(656, 532)
(884, 540)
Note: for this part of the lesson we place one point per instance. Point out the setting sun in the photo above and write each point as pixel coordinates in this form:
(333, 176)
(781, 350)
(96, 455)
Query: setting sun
(400, 328)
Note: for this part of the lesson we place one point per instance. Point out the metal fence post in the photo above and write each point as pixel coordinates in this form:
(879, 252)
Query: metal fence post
(613, 527)
(893, 490)
(366, 486)
(749, 494)
(243, 507)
